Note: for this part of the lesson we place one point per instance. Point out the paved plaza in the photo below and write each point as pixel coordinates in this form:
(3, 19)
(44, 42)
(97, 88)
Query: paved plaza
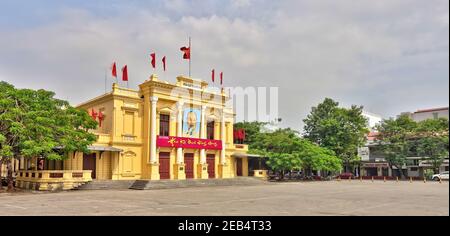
(305, 198)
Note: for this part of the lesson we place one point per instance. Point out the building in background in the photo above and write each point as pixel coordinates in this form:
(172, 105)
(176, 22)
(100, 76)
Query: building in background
(374, 164)
(432, 113)
(372, 119)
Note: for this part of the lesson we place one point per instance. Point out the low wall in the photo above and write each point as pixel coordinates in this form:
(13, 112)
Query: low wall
(52, 180)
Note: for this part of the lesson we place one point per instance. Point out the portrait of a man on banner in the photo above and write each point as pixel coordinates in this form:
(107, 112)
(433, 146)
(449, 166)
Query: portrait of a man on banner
(191, 123)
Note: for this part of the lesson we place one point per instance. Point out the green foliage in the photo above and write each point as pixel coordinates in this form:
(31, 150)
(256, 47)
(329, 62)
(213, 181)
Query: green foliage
(432, 142)
(286, 151)
(394, 139)
(428, 173)
(34, 123)
(315, 157)
(403, 137)
(433, 126)
(338, 129)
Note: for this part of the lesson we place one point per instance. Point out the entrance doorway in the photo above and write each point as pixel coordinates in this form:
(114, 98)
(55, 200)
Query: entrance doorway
(164, 165)
(211, 161)
(89, 163)
(372, 171)
(238, 166)
(189, 162)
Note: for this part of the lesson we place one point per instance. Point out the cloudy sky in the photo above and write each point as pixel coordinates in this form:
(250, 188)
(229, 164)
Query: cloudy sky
(389, 56)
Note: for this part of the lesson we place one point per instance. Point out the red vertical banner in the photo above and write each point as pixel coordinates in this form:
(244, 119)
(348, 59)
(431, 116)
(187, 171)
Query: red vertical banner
(125, 73)
(94, 114)
(101, 117)
(221, 78)
(212, 75)
(164, 63)
(114, 70)
(153, 60)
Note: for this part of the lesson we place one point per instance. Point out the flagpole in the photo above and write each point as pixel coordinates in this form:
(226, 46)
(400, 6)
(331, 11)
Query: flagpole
(117, 77)
(106, 72)
(190, 56)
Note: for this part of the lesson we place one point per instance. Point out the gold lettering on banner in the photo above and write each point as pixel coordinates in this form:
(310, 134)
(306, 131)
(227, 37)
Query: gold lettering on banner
(176, 141)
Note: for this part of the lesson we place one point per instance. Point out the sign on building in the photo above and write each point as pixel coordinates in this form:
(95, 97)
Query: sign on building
(364, 153)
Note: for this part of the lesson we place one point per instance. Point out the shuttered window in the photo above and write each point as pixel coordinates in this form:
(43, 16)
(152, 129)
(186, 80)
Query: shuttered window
(164, 125)
(210, 130)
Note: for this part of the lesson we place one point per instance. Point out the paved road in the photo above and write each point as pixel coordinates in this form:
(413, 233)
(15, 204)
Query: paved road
(312, 198)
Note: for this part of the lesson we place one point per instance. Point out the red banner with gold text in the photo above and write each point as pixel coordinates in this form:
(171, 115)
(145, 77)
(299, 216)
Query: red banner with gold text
(194, 143)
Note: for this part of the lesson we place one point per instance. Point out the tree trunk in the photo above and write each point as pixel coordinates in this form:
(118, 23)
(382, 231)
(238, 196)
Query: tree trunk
(436, 170)
(10, 176)
(400, 171)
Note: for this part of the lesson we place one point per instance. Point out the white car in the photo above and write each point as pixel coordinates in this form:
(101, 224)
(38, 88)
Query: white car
(441, 176)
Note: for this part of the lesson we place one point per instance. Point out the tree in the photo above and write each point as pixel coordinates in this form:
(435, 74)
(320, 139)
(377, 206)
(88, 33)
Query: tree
(314, 157)
(432, 141)
(282, 162)
(286, 150)
(279, 147)
(338, 129)
(35, 124)
(395, 140)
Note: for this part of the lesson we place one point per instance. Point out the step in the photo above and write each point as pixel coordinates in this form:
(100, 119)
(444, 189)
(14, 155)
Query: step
(167, 184)
(106, 184)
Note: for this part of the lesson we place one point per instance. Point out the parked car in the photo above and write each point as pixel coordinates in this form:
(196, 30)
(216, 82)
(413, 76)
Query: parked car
(441, 176)
(346, 175)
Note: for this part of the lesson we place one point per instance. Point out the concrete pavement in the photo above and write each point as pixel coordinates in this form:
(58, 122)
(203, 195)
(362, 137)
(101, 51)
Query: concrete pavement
(299, 198)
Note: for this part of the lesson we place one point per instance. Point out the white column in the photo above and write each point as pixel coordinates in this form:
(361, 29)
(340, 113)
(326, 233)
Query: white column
(222, 137)
(180, 129)
(153, 100)
(203, 135)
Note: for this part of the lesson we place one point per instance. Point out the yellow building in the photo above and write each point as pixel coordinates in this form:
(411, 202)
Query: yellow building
(162, 131)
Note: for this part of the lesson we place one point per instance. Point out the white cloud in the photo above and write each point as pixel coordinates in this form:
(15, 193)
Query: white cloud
(240, 3)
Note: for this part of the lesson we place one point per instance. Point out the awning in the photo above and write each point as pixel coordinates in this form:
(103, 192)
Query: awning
(240, 155)
(374, 165)
(104, 148)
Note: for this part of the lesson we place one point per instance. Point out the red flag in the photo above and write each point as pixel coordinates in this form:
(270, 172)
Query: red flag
(212, 75)
(153, 55)
(125, 73)
(101, 117)
(114, 70)
(221, 78)
(94, 114)
(164, 63)
(187, 52)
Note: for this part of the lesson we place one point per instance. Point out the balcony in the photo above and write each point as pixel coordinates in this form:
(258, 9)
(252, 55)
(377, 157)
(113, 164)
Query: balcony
(238, 147)
(52, 180)
(103, 138)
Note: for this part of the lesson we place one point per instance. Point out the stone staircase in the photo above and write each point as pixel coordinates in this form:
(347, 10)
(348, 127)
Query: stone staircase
(106, 184)
(168, 184)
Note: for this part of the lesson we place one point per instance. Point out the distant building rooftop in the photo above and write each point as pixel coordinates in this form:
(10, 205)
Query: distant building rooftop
(432, 109)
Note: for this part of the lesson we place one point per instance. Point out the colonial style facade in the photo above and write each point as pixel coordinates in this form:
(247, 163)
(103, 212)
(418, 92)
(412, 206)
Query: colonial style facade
(162, 131)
